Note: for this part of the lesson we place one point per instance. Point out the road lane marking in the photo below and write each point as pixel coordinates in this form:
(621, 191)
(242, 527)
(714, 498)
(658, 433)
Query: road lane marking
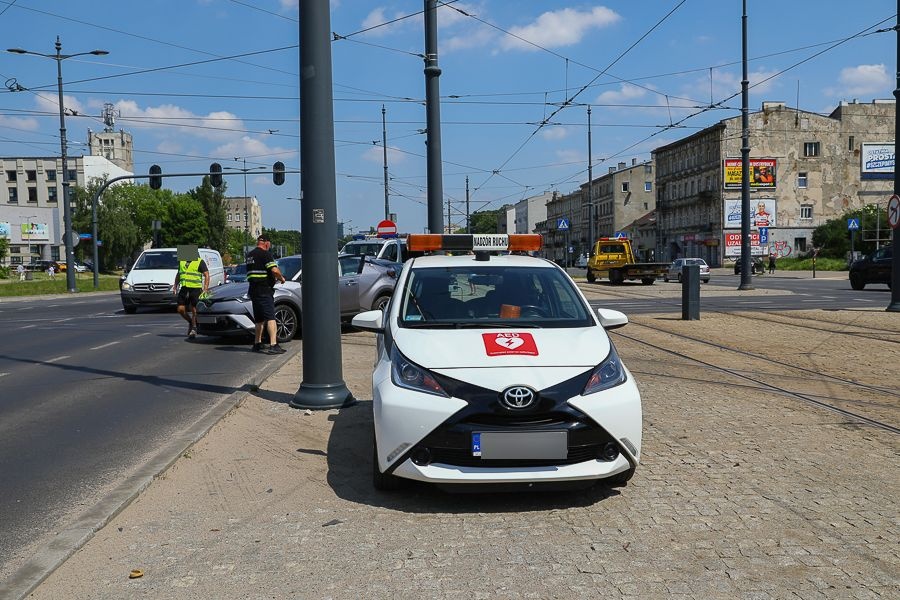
(141, 334)
(63, 320)
(104, 346)
(3, 374)
(58, 358)
(27, 326)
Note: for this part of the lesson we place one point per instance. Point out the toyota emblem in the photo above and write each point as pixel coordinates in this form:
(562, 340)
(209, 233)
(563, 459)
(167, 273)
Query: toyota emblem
(518, 397)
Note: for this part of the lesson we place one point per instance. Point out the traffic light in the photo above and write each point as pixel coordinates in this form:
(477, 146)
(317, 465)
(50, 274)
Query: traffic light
(215, 175)
(278, 173)
(155, 179)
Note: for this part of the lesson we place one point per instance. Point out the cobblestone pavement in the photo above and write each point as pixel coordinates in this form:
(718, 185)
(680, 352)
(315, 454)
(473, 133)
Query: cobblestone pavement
(743, 492)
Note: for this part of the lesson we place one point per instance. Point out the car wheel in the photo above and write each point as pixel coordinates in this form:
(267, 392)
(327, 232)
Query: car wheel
(287, 323)
(383, 481)
(590, 276)
(381, 302)
(666, 278)
(129, 308)
(857, 281)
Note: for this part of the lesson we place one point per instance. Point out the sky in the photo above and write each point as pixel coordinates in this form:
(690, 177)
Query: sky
(202, 81)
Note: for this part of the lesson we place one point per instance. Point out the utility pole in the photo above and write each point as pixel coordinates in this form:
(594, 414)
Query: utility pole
(433, 120)
(468, 216)
(387, 207)
(591, 185)
(894, 306)
(323, 385)
(746, 282)
(449, 225)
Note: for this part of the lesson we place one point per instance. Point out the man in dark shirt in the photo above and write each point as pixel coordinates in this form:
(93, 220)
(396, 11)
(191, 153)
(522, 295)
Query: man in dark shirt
(262, 274)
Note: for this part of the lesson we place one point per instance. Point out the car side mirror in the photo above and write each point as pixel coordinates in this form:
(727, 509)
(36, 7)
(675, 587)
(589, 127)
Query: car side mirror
(371, 320)
(611, 319)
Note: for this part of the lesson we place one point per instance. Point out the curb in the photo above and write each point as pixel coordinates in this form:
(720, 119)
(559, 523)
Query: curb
(68, 541)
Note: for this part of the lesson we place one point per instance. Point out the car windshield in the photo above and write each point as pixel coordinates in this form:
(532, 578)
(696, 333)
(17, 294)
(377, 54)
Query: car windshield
(157, 260)
(487, 296)
(289, 266)
(362, 248)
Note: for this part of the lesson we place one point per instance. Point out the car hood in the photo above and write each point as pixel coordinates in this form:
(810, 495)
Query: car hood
(228, 291)
(478, 349)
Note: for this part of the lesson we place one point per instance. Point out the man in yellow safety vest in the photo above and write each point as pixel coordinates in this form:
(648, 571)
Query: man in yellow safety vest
(193, 277)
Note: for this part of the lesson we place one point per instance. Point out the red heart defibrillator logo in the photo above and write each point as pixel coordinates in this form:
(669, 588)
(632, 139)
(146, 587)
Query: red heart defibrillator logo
(500, 344)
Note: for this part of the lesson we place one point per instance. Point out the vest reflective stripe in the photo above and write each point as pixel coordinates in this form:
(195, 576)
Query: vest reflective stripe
(189, 273)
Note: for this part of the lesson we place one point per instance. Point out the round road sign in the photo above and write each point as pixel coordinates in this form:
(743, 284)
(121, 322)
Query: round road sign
(386, 229)
(894, 211)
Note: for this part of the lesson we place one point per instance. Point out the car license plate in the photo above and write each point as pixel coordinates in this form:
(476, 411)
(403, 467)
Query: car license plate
(512, 445)
(206, 319)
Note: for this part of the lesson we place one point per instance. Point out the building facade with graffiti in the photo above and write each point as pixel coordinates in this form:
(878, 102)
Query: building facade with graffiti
(805, 169)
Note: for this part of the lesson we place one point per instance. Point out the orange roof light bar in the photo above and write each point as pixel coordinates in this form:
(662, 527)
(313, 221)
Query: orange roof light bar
(485, 242)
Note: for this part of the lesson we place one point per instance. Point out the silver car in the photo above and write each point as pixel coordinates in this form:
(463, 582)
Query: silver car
(678, 264)
(227, 310)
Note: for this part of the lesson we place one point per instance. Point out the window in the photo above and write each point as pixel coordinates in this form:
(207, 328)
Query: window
(10, 175)
(32, 195)
(850, 141)
(806, 212)
(31, 175)
(51, 194)
(13, 196)
(51, 174)
(811, 149)
(648, 186)
(802, 179)
(648, 169)
(229, 217)
(73, 175)
(624, 187)
(800, 244)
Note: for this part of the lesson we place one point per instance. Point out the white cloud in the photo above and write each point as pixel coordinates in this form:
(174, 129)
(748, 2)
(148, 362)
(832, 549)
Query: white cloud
(559, 28)
(862, 80)
(554, 132)
(625, 93)
(219, 125)
(376, 154)
(571, 156)
(480, 37)
(252, 148)
(50, 103)
(28, 124)
(378, 16)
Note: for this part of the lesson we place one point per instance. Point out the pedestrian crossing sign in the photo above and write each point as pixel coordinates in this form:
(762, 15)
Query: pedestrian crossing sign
(852, 224)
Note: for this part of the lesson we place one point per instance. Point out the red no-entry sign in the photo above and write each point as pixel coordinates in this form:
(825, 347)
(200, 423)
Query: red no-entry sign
(894, 211)
(386, 229)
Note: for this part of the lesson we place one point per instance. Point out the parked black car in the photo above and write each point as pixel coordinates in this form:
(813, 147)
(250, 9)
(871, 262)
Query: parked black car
(757, 266)
(874, 268)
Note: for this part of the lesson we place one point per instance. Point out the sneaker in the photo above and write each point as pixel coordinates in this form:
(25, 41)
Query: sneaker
(276, 349)
(192, 334)
(260, 348)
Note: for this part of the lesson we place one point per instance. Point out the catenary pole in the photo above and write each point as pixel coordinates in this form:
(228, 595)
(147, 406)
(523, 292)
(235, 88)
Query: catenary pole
(746, 281)
(468, 215)
(894, 306)
(387, 205)
(433, 120)
(323, 385)
(591, 218)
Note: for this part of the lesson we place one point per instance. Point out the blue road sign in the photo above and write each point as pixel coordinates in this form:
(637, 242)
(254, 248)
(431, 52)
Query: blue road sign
(562, 224)
(852, 224)
(620, 235)
(763, 235)
(84, 236)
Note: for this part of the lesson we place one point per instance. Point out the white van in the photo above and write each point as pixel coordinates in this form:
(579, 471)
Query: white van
(150, 281)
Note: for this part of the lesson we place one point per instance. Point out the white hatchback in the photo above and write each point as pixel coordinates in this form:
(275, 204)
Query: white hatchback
(495, 369)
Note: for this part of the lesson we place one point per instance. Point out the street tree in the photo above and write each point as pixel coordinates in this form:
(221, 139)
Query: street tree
(213, 202)
(184, 222)
(833, 237)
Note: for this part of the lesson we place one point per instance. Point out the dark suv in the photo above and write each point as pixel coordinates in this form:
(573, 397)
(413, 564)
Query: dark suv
(874, 268)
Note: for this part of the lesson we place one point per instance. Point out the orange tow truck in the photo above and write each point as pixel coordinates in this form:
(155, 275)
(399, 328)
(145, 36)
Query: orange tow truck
(614, 258)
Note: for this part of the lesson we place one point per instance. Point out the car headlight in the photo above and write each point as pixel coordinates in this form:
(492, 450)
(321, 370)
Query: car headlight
(608, 374)
(409, 375)
(243, 298)
(126, 285)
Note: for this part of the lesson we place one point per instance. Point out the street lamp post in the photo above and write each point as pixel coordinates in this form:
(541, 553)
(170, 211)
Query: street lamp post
(67, 203)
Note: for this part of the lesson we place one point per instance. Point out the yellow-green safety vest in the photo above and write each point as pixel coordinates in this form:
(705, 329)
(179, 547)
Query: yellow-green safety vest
(189, 273)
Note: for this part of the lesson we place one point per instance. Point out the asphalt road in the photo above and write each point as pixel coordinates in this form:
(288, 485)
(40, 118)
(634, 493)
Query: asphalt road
(830, 291)
(87, 395)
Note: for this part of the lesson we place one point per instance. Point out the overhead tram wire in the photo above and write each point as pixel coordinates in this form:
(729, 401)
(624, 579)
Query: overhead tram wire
(576, 94)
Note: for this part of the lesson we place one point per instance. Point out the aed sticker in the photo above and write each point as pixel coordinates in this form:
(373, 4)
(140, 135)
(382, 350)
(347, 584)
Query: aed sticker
(500, 344)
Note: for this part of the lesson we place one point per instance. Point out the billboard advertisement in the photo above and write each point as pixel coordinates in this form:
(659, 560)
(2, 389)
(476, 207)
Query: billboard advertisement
(733, 245)
(762, 173)
(35, 232)
(4, 229)
(762, 213)
(876, 160)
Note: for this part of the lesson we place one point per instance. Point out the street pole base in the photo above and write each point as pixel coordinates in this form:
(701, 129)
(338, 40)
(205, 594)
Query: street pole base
(322, 396)
(746, 286)
(893, 307)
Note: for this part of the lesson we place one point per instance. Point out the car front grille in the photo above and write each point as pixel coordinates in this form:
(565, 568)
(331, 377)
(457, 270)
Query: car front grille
(151, 287)
(458, 457)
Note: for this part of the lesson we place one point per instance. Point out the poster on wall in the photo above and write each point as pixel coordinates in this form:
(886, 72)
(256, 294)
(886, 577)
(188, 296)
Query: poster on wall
(762, 173)
(4, 229)
(733, 245)
(762, 213)
(35, 231)
(876, 161)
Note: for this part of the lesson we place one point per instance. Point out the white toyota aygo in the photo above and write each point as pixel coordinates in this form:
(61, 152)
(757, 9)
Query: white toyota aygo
(494, 369)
